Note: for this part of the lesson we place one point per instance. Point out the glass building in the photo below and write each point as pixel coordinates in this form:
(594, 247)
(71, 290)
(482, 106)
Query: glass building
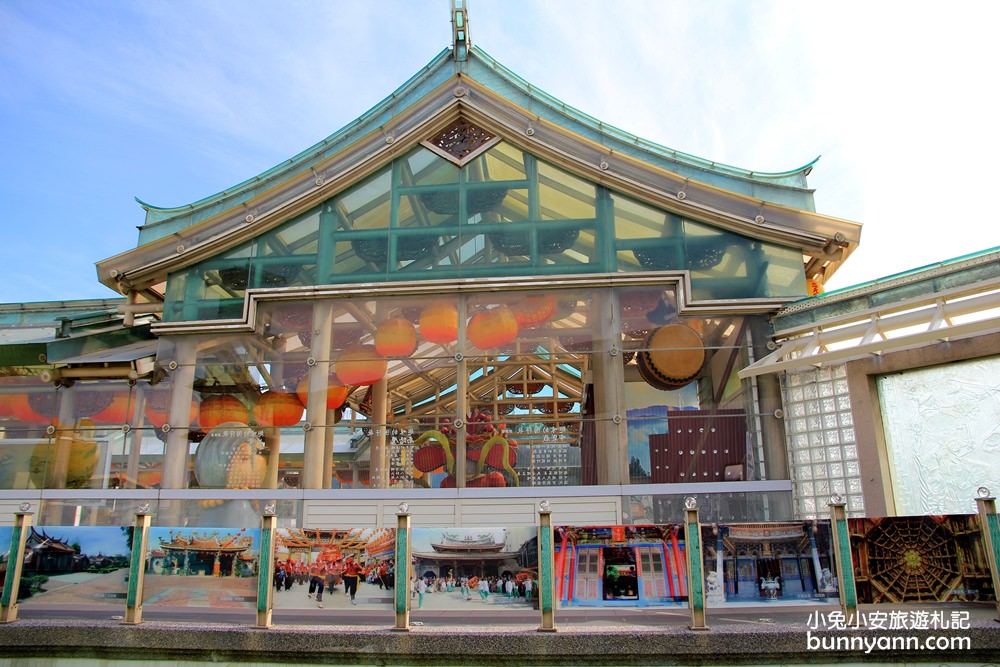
(470, 298)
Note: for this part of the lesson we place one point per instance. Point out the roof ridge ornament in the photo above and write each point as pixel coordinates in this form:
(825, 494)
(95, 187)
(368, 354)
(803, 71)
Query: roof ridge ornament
(460, 29)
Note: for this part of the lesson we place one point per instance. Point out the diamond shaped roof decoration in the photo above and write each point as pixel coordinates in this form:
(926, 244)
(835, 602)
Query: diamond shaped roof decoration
(461, 141)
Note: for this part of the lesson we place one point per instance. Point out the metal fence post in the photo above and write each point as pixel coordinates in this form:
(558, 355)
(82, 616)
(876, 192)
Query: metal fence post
(137, 566)
(842, 552)
(265, 591)
(990, 525)
(546, 582)
(695, 565)
(8, 599)
(401, 586)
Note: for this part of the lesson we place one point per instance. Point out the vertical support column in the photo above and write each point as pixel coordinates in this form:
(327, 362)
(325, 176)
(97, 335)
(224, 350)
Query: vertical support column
(546, 566)
(695, 565)
(990, 525)
(401, 590)
(265, 590)
(15, 559)
(175, 453)
(319, 381)
(379, 472)
(137, 567)
(61, 434)
(609, 391)
(842, 552)
(461, 410)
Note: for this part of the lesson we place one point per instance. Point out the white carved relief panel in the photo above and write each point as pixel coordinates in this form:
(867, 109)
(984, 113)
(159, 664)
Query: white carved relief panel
(942, 431)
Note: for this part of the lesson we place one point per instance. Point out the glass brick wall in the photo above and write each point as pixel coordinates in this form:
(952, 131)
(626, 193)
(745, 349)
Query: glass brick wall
(822, 446)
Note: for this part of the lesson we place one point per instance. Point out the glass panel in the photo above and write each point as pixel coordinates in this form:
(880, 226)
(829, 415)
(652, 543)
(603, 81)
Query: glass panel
(797, 564)
(686, 414)
(214, 567)
(298, 237)
(712, 507)
(461, 568)
(73, 567)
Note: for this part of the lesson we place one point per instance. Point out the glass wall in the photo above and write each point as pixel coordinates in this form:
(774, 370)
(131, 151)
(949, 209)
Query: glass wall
(574, 386)
(504, 213)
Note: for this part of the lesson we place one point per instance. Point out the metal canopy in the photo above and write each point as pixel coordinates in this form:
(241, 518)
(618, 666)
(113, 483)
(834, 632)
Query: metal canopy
(948, 302)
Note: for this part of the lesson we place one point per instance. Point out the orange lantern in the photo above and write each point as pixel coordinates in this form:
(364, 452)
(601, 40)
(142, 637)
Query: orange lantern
(360, 365)
(117, 412)
(439, 323)
(396, 338)
(814, 287)
(336, 393)
(221, 408)
(534, 310)
(278, 408)
(492, 328)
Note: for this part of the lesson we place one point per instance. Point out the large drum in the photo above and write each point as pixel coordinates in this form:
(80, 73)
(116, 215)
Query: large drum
(672, 357)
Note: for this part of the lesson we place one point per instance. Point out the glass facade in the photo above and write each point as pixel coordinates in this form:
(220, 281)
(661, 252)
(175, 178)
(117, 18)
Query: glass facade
(515, 339)
(503, 214)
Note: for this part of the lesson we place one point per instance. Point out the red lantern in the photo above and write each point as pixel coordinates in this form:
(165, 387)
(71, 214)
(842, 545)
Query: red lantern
(492, 328)
(396, 338)
(278, 408)
(439, 323)
(117, 412)
(534, 310)
(429, 458)
(336, 393)
(221, 408)
(360, 365)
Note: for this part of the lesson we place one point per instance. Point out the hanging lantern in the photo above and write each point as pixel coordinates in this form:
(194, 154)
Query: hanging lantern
(439, 323)
(360, 365)
(158, 409)
(396, 337)
(117, 412)
(221, 408)
(492, 328)
(278, 408)
(230, 457)
(336, 392)
(814, 287)
(534, 310)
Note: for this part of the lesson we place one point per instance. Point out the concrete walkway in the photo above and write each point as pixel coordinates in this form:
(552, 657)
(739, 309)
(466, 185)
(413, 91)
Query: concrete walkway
(363, 634)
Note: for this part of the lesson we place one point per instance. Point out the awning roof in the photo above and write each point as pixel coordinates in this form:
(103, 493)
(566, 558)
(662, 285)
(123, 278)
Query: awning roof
(954, 299)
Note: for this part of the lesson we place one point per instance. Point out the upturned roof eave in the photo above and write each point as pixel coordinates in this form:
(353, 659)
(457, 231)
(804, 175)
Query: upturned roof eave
(156, 215)
(792, 178)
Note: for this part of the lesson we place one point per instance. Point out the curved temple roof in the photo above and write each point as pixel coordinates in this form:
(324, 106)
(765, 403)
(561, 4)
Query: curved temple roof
(464, 80)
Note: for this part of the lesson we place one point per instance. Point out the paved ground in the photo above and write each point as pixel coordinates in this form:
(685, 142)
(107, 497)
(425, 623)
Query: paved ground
(179, 624)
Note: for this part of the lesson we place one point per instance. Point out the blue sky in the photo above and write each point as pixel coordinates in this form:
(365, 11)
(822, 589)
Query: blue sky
(174, 100)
